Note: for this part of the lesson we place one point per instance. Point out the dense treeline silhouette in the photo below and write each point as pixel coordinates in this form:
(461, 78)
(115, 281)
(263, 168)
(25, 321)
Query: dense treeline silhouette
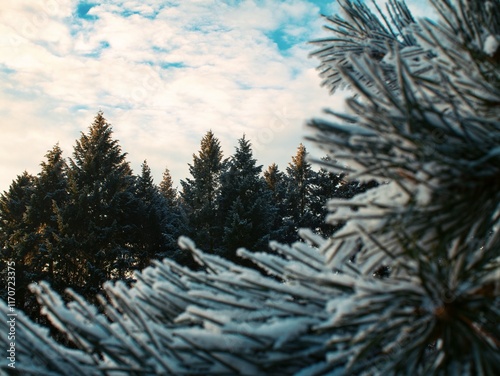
(88, 219)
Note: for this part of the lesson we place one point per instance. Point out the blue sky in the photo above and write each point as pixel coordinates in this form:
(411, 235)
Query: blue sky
(163, 72)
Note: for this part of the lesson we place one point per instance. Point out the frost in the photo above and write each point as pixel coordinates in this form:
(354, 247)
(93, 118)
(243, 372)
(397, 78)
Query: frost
(423, 195)
(491, 45)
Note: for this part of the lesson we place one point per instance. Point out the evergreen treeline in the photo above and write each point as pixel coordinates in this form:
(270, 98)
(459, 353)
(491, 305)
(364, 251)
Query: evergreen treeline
(89, 219)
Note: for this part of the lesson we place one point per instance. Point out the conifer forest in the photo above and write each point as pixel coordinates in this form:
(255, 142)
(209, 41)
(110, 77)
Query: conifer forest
(381, 258)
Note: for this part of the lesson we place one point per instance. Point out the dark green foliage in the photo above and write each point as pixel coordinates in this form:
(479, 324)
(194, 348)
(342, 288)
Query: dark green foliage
(177, 223)
(98, 225)
(51, 194)
(167, 187)
(326, 185)
(282, 227)
(151, 220)
(245, 204)
(30, 206)
(299, 183)
(300, 175)
(300, 196)
(200, 195)
(93, 220)
(18, 238)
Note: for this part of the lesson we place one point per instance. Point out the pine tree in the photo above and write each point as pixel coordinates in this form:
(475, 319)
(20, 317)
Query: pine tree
(97, 226)
(245, 203)
(31, 245)
(177, 223)
(424, 123)
(151, 221)
(300, 177)
(200, 195)
(283, 229)
(167, 187)
(18, 239)
(325, 185)
(50, 195)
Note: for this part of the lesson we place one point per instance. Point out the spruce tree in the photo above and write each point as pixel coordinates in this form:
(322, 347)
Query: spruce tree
(18, 239)
(177, 223)
(152, 218)
(283, 229)
(245, 203)
(327, 185)
(167, 187)
(324, 186)
(200, 194)
(50, 195)
(34, 199)
(300, 178)
(98, 228)
(424, 122)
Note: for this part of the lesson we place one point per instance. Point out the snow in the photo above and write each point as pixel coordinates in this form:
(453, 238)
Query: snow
(423, 195)
(285, 329)
(186, 243)
(491, 45)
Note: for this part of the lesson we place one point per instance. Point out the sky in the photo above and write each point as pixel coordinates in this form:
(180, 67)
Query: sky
(163, 73)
